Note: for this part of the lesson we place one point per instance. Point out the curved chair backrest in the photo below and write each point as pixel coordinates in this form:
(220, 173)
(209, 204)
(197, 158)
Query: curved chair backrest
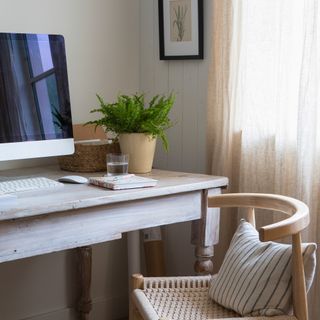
(292, 226)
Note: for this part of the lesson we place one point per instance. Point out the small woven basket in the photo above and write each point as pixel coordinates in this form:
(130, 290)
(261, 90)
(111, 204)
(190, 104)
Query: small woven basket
(88, 156)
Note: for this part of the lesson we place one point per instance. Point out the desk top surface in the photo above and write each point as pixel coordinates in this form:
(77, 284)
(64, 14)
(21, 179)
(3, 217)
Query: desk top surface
(77, 196)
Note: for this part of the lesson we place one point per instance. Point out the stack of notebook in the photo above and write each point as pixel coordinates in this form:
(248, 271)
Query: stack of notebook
(121, 182)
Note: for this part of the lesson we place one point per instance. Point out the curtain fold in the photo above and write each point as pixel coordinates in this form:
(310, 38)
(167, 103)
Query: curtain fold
(264, 103)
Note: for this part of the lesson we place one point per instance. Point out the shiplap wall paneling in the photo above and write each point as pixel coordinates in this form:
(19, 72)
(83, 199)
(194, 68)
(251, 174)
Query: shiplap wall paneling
(161, 83)
(187, 138)
(175, 133)
(190, 112)
(188, 80)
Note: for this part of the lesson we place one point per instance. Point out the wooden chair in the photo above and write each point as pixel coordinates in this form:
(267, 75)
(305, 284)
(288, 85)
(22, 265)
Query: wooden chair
(147, 291)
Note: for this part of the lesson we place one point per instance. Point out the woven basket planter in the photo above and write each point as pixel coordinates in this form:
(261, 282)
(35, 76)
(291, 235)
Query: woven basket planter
(88, 156)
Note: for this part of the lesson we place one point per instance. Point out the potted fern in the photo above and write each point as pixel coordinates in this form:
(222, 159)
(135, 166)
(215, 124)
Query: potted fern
(137, 126)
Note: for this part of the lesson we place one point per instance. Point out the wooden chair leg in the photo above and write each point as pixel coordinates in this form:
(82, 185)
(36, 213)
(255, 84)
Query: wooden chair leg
(300, 305)
(136, 283)
(85, 268)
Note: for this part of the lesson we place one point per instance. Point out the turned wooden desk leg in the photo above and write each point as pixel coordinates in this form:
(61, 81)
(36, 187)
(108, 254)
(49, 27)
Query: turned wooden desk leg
(205, 234)
(85, 266)
(203, 264)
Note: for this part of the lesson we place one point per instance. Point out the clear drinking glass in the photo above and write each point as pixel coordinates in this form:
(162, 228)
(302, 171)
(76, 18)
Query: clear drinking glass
(117, 164)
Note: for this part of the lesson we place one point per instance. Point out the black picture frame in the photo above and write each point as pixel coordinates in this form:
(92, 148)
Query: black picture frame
(171, 49)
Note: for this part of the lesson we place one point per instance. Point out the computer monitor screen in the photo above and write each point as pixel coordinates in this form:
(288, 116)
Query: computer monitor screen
(35, 114)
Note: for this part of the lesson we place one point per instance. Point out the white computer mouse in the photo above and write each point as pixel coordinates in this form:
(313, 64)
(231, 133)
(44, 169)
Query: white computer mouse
(73, 179)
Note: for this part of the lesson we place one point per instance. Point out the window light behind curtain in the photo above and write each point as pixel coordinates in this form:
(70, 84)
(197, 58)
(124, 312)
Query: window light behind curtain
(264, 102)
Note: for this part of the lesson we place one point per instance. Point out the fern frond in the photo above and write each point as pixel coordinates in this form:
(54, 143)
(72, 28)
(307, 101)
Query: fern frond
(128, 114)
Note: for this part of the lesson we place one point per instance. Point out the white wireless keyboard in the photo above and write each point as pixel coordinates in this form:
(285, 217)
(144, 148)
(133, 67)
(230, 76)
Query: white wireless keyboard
(21, 185)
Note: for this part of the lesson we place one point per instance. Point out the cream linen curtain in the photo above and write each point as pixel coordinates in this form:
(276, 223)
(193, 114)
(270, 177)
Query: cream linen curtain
(264, 102)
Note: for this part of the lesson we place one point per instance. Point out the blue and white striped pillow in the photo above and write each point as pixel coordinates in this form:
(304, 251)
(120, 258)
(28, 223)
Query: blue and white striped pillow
(255, 277)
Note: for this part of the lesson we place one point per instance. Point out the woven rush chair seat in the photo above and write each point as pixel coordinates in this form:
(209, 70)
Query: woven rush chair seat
(177, 298)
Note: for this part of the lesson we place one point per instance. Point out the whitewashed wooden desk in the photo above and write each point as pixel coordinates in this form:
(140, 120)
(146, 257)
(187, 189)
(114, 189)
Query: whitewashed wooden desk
(77, 216)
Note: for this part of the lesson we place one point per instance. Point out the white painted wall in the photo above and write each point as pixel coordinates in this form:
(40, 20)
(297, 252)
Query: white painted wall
(188, 79)
(102, 43)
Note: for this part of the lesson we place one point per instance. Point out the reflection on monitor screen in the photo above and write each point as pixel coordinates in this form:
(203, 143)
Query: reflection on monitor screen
(34, 90)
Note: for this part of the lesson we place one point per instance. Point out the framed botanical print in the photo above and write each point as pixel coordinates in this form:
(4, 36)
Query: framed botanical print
(180, 29)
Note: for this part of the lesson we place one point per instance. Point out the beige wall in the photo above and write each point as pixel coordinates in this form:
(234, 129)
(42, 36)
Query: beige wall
(188, 79)
(102, 43)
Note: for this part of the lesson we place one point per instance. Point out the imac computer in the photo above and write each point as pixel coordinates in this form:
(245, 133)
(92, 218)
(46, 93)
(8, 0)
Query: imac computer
(35, 114)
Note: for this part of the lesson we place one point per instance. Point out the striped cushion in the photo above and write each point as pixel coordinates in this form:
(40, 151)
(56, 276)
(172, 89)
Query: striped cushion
(255, 277)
